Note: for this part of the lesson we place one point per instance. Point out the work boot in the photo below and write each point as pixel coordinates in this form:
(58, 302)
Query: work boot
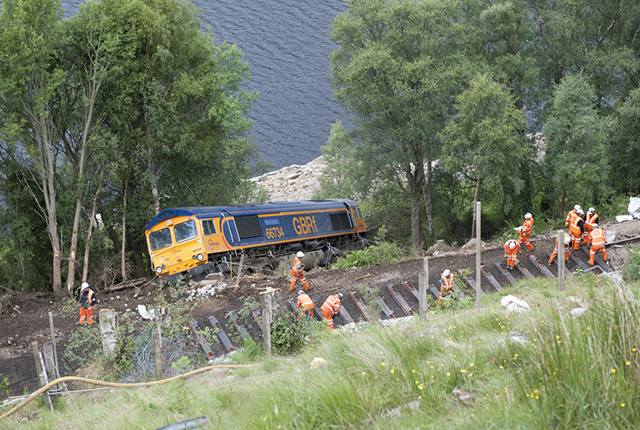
(293, 284)
(306, 286)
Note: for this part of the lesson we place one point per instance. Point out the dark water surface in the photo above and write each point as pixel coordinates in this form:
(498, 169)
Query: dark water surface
(287, 46)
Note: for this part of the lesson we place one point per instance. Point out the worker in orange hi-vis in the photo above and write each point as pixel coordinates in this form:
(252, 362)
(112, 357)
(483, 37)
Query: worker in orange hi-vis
(446, 285)
(330, 308)
(567, 241)
(511, 248)
(87, 301)
(590, 222)
(525, 231)
(576, 228)
(305, 303)
(597, 244)
(297, 274)
(570, 215)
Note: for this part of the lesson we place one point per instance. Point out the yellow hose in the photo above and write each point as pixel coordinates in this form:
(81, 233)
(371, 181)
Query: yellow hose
(119, 385)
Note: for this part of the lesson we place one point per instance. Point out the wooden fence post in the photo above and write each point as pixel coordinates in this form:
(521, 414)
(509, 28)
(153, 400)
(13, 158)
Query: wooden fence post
(41, 375)
(267, 309)
(423, 280)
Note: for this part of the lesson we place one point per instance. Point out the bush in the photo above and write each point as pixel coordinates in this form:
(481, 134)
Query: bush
(380, 253)
(632, 267)
(288, 332)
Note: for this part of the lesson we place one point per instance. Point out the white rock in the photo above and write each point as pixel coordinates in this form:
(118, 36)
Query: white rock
(576, 312)
(514, 304)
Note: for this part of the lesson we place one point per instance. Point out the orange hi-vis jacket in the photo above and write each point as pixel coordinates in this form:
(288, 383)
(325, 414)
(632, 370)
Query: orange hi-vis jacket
(296, 270)
(330, 307)
(526, 228)
(511, 254)
(590, 222)
(305, 302)
(576, 227)
(597, 238)
(332, 304)
(446, 285)
(570, 215)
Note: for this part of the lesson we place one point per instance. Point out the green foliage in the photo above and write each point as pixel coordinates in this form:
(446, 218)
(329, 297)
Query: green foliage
(576, 159)
(183, 365)
(84, 344)
(632, 266)
(288, 332)
(378, 253)
(4, 387)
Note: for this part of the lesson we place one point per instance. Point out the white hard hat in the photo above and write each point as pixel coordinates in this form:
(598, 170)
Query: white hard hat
(527, 215)
(300, 292)
(580, 212)
(577, 207)
(591, 210)
(340, 295)
(300, 254)
(84, 285)
(446, 272)
(567, 240)
(512, 244)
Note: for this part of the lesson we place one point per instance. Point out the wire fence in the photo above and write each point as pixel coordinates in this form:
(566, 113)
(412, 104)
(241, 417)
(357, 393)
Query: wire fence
(142, 366)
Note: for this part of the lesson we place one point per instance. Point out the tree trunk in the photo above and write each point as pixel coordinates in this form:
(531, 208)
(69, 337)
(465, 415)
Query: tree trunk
(87, 247)
(428, 202)
(475, 203)
(90, 94)
(564, 195)
(414, 191)
(124, 229)
(47, 177)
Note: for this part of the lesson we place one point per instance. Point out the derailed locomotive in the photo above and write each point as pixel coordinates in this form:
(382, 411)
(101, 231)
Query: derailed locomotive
(199, 240)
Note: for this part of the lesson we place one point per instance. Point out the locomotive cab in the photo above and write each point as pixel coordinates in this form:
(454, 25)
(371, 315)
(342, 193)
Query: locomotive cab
(176, 245)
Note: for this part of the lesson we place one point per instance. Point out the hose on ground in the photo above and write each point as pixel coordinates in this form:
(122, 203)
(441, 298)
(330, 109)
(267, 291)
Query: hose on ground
(118, 384)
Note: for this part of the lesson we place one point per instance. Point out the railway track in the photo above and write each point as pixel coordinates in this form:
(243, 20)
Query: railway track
(400, 298)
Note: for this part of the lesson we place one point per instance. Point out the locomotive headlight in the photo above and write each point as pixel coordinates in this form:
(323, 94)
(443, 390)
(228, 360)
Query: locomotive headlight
(158, 270)
(199, 257)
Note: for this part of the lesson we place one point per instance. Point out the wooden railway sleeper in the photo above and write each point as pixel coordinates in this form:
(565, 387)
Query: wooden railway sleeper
(383, 306)
(256, 317)
(400, 300)
(201, 340)
(523, 270)
(489, 277)
(221, 334)
(545, 272)
(508, 276)
(355, 297)
(411, 289)
(236, 321)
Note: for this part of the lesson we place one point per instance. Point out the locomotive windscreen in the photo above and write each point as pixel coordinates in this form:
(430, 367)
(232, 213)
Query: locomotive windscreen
(248, 226)
(340, 221)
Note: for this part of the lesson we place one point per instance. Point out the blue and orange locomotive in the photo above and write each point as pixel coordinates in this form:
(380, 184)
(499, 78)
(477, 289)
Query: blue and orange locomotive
(198, 240)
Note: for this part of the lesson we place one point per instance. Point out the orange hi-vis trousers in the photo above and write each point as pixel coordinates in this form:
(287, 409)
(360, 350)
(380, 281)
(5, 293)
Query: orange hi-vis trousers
(300, 278)
(86, 315)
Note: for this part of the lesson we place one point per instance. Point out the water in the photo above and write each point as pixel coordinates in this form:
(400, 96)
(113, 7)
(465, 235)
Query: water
(286, 44)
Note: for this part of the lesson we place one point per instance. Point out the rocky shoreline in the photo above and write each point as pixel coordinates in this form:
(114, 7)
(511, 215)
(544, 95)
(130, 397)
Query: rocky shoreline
(295, 182)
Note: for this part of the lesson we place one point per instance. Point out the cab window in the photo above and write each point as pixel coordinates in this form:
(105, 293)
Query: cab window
(160, 239)
(208, 227)
(185, 230)
(358, 213)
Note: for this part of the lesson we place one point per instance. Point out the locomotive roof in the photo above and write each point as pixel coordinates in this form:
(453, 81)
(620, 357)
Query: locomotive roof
(249, 209)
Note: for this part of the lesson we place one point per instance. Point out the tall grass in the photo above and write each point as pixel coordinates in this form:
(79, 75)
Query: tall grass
(570, 373)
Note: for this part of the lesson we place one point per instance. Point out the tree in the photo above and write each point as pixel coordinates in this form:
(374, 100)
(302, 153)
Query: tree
(626, 146)
(397, 69)
(30, 37)
(576, 158)
(484, 140)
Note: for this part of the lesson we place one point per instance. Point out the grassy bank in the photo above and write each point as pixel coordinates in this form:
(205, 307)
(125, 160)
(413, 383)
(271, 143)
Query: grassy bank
(570, 372)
